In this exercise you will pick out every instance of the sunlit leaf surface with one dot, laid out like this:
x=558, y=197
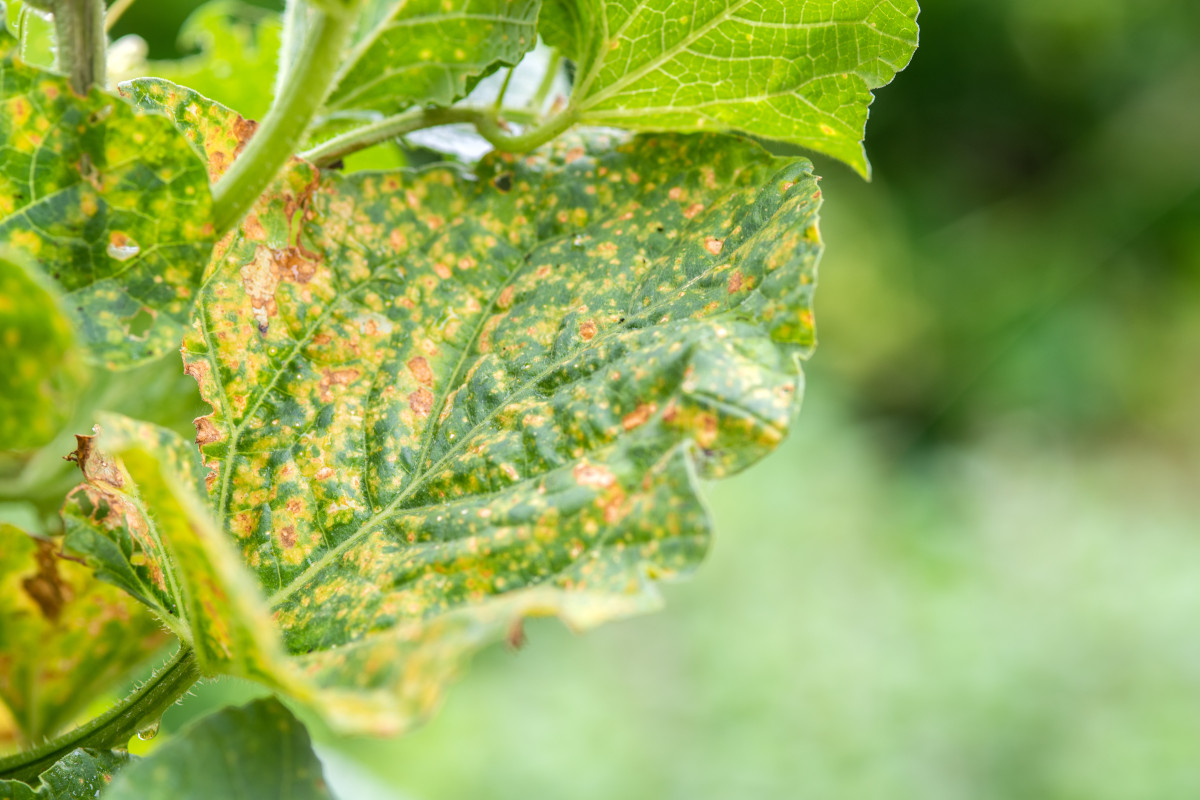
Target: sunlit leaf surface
x=798, y=72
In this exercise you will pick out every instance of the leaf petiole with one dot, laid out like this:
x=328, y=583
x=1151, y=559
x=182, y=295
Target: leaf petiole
x=486, y=121
x=115, y=727
x=304, y=89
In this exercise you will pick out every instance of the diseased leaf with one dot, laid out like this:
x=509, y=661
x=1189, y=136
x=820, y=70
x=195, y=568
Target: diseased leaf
x=65, y=637
x=109, y=202
x=799, y=72
x=255, y=751
x=41, y=368
x=428, y=51
x=79, y=775
x=443, y=402
x=238, y=47
x=139, y=520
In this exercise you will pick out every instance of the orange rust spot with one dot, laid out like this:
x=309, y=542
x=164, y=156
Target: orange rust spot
x=421, y=402
x=335, y=377
x=693, y=210
x=325, y=473
x=714, y=245
x=613, y=505
x=639, y=416
x=675, y=193
x=294, y=506
x=735, y=281
x=594, y=475
x=574, y=154
x=706, y=430
x=419, y=367
x=398, y=240
x=506, y=297
x=587, y=329
x=287, y=536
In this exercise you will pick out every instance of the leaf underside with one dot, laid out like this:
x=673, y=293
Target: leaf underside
x=798, y=72
x=427, y=51
x=108, y=202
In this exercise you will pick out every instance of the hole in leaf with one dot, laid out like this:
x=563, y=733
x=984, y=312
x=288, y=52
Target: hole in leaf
x=139, y=324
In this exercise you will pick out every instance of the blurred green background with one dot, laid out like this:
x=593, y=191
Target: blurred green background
x=974, y=569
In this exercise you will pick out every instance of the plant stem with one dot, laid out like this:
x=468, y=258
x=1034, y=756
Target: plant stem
x=539, y=98
x=496, y=106
x=81, y=43
x=115, y=727
x=486, y=121
x=304, y=90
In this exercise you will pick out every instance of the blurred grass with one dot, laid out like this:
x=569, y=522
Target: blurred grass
x=973, y=570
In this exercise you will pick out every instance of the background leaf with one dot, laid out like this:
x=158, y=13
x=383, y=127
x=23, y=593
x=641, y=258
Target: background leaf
x=258, y=750
x=42, y=369
x=109, y=202
x=795, y=72
x=65, y=637
x=80, y=775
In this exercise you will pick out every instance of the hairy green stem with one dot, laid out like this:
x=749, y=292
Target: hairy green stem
x=485, y=120
x=309, y=80
x=81, y=42
x=118, y=725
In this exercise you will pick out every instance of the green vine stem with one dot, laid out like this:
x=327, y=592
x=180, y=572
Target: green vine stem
x=307, y=83
x=114, y=728
x=81, y=42
x=486, y=121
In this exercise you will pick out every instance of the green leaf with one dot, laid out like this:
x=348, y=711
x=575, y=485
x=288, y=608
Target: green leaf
x=256, y=751
x=66, y=638
x=139, y=520
x=110, y=203
x=80, y=775
x=799, y=72
x=428, y=51
x=42, y=369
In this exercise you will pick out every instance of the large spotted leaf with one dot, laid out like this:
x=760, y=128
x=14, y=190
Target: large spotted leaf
x=445, y=401
x=428, y=51
x=65, y=637
x=799, y=72
x=109, y=202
